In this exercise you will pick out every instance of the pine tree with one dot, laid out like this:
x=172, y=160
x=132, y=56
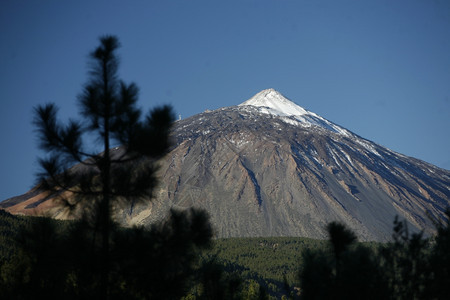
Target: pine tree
x=103, y=178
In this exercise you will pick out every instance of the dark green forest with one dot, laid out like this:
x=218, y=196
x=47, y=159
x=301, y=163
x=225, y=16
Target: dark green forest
x=168, y=261
x=268, y=263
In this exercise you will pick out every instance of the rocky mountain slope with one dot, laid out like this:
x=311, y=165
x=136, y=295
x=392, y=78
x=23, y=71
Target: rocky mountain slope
x=268, y=167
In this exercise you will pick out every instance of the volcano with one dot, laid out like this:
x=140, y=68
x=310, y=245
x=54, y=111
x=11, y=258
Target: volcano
x=269, y=167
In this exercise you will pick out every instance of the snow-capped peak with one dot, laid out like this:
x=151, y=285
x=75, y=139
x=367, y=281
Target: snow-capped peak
x=276, y=102
x=273, y=102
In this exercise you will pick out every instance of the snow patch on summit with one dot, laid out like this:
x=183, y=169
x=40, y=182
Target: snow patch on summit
x=276, y=102
x=273, y=102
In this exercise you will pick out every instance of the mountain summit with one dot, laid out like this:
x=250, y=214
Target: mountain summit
x=268, y=167
x=276, y=103
x=272, y=102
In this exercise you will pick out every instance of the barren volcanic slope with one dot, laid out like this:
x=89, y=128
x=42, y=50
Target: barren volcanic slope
x=268, y=167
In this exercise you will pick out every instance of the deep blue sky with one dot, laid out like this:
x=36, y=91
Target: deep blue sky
x=379, y=68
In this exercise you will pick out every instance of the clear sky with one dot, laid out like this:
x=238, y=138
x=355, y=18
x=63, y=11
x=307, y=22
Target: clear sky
x=379, y=68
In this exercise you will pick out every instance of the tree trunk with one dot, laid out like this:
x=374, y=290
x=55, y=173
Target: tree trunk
x=105, y=201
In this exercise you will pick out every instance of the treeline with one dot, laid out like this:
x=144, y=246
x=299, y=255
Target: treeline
x=174, y=259
x=170, y=260
x=57, y=260
x=265, y=264
x=409, y=267
x=177, y=259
